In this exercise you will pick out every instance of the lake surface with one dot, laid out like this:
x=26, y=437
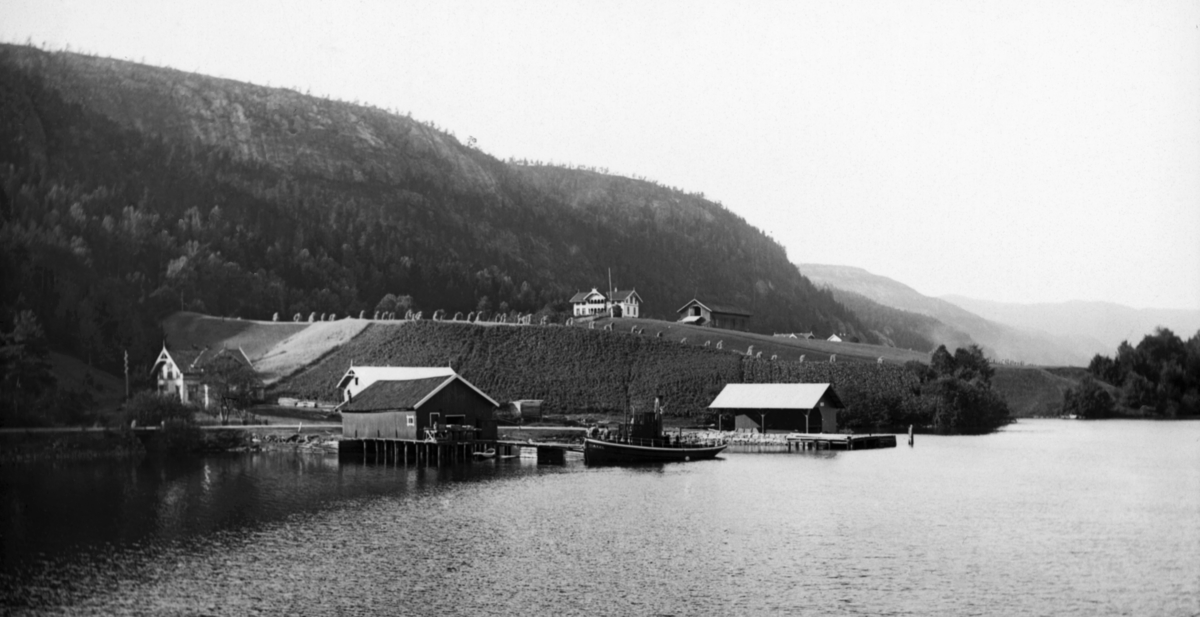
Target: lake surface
x=1048, y=517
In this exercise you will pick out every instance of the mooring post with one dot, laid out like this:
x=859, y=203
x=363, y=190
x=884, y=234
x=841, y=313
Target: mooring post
x=910, y=435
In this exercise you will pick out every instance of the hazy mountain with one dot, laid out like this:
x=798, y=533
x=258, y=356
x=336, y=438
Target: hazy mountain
x=128, y=192
x=954, y=325
x=1098, y=327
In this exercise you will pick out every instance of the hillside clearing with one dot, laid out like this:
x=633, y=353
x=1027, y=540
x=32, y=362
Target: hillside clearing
x=306, y=347
x=256, y=338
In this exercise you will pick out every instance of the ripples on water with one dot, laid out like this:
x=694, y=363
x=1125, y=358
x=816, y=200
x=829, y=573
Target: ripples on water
x=1047, y=517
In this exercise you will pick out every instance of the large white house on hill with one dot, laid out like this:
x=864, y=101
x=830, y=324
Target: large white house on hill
x=624, y=303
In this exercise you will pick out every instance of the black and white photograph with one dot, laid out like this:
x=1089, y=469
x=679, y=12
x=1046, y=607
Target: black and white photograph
x=621, y=307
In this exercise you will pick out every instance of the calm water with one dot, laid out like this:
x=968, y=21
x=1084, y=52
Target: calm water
x=1047, y=517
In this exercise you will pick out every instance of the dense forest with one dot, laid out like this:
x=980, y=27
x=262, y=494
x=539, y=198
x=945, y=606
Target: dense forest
x=1159, y=378
x=128, y=192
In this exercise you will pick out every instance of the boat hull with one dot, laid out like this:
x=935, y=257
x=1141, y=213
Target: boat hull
x=599, y=452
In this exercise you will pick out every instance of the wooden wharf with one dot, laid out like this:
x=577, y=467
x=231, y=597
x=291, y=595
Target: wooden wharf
x=837, y=441
x=437, y=453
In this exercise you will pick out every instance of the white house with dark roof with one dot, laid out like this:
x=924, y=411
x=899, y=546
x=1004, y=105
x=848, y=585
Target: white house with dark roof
x=588, y=303
x=624, y=303
x=179, y=372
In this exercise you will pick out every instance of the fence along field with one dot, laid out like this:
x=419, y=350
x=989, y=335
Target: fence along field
x=575, y=370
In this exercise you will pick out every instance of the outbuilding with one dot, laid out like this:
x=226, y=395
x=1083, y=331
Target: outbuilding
x=781, y=406
x=714, y=315
x=416, y=404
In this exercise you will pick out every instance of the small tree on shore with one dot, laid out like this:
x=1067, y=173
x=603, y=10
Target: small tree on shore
x=232, y=383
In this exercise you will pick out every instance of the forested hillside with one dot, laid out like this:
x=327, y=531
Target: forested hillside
x=128, y=192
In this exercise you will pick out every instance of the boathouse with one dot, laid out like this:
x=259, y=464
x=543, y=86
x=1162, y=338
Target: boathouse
x=803, y=407
x=417, y=404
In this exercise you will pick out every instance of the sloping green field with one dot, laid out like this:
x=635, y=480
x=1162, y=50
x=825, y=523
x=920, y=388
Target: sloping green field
x=784, y=348
x=575, y=369
x=256, y=338
x=580, y=367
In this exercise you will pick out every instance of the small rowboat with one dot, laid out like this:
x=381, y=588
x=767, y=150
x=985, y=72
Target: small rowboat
x=489, y=453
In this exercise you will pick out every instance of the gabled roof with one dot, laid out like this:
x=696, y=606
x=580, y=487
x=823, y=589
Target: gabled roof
x=393, y=373
x=584, y=295
x=775, y=396
x=394, y=394
x=724, y=309
x=192, y=361
x=623, y=296
x=408, y=392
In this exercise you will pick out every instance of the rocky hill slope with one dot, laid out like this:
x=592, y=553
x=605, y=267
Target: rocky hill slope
x=129, y=192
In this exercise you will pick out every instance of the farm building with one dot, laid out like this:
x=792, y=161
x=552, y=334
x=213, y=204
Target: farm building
x=180, y=372
x=528, y=409
x=623, y=303
x=724, y=316
x=833, y=338
x=781, y=406
x=414, y=403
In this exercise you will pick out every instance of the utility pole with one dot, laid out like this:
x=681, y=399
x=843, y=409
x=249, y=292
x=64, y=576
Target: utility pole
x=127, y=374
x=610, y=294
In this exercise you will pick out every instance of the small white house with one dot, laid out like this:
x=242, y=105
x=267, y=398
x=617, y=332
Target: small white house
x=625, y=303
x=833, y=338
x=179, y=372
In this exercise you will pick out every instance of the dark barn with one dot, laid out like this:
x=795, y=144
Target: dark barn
x=724, y=316
x=414, y=409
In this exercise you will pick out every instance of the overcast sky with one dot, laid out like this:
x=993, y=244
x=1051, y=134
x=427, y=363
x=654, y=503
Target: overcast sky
x=1013, y=151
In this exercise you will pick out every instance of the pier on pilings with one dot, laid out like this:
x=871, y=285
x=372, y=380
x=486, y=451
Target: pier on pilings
x=406, y=452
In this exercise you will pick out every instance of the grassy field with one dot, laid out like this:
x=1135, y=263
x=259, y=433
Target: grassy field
x=277, y=349
x=256, y=338
x=283, y=349
x=786, y=349
x=306, y=347
x=1031, y=391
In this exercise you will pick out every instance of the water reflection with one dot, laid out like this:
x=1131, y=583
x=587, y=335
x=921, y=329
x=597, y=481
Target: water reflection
x=1045, y=518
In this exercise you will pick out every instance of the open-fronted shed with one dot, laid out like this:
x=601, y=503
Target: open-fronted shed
x=781, y=406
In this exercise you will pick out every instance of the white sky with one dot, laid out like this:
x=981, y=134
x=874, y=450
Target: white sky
x=1014, y=151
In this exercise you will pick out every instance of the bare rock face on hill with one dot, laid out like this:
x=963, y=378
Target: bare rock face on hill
x=281, y=128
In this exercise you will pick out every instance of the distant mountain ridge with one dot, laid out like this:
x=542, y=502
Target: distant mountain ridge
x=958, y=325
x=1098, y=326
